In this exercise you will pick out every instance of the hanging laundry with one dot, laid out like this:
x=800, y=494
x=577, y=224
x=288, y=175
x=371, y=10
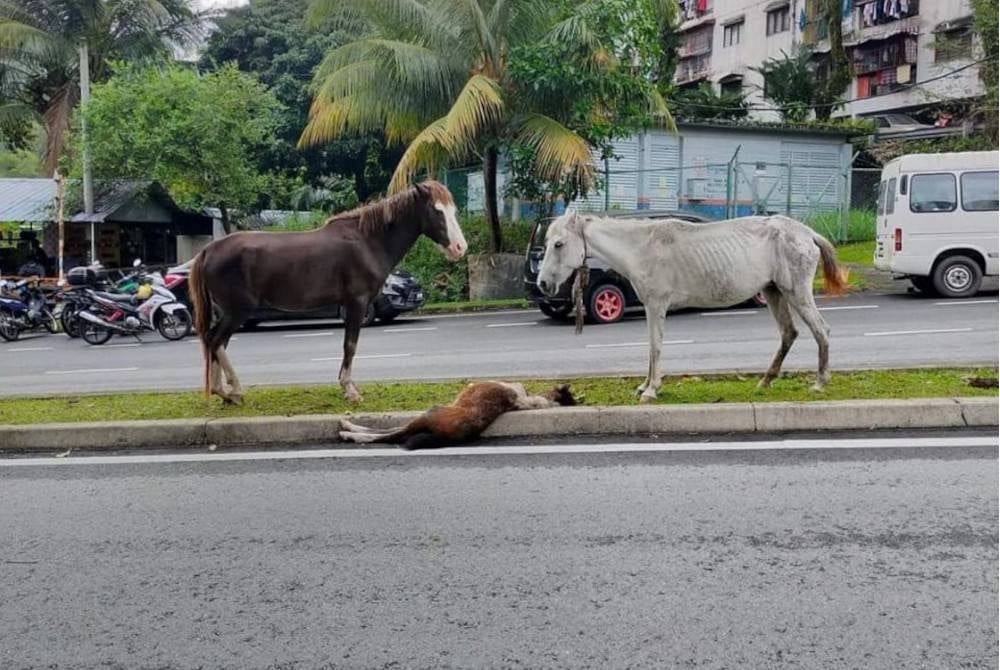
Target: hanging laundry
x=903, y=73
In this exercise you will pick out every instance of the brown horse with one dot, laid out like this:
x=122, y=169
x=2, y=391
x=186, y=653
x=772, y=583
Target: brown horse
x=344, y=262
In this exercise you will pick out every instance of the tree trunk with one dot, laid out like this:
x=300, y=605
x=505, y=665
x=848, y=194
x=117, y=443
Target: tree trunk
x=490, y=187
x=839, y=76
x=226, y=224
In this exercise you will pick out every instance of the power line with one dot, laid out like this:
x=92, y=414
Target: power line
x=903, y=87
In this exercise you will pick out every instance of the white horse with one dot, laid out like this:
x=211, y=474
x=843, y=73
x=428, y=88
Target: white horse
x=674, y=264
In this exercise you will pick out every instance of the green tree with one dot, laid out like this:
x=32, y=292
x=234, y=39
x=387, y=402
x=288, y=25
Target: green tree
x=790, y=83
x=702, y=103
x=195, y=134
x=830, y=90
x=39, y=57
x=985, y=15
x=437, y=77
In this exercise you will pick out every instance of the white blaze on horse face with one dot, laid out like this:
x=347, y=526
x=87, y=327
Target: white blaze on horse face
x=457, y=245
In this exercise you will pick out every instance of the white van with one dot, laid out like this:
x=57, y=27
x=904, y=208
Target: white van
x=937, y=221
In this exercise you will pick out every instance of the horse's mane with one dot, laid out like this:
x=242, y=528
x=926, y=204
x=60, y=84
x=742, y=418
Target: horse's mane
x=375, y=216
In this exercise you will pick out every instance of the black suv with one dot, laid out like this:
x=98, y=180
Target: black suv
x=609, y=294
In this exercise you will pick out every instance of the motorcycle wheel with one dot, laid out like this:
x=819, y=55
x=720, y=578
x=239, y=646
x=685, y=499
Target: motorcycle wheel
x=9, y=330
x=93, y=333
x=70, y=323
x=52, y=324
x=174, y=326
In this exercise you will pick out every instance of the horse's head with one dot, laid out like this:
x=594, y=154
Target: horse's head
x=438, y=219
x=564, y=252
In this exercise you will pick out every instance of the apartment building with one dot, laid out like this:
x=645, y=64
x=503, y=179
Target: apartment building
x=891, y=44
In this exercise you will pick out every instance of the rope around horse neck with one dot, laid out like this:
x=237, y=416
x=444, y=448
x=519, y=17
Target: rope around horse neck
x=580, y=285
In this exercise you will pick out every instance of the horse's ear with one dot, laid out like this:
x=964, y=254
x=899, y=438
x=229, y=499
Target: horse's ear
x=421, y=188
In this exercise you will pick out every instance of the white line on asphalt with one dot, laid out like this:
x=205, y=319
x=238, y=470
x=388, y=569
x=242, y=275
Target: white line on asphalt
x=732, y=312
x=949, y=303
x=325, y=333
x=512, y=325
x=121, y=346
x=88, y=371
x=409, y=330
x=765, y=445
x=30, y=349
x=831, y=309
x=884, y=333
x=340, y=358
x=194, y=339
x=635, y=344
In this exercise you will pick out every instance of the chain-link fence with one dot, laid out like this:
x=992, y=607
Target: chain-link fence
x=834, y=199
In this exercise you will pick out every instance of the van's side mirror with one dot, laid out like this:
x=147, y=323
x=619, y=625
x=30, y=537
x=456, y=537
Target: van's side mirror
x=902, y=184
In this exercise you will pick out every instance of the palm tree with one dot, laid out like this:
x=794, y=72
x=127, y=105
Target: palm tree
x=39, y=51
x=434, y=75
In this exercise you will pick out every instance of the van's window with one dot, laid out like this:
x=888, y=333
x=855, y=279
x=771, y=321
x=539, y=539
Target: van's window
x=933, y=193
x=890, y=197
x=980, y=192
x=902, y=184
x=881, y=198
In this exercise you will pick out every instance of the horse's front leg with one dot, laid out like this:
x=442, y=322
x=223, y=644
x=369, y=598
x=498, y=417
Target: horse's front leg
x=655, y=318
x=354, y=313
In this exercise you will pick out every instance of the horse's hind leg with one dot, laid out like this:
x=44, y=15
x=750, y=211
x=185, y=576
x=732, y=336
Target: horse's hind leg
x=656, y=323
x=782, y=313
x=222, y=332
x=805, y=306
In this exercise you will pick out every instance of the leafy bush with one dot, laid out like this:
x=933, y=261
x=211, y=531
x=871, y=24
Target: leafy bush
x=444, y=281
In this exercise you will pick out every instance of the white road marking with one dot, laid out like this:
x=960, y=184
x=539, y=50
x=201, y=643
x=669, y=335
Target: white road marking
x=764, y=445
x=839, y=307
x=514, y=324
x=88, y=371
x=484, y=314
x=635, y=344
x=369, y=356
x=121, y=346
x=732, y=312
x=949, y=303
x=325, y=333
x=194, y=339
x=409, y=330
x=30, y=349
x=918, y=332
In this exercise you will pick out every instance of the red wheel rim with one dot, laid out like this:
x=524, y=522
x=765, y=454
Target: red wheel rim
x=608, y=305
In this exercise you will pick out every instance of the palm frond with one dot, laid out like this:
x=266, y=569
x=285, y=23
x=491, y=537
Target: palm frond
x=428, y=150
x=658, y=109
x=558, y=150
x=478, y=107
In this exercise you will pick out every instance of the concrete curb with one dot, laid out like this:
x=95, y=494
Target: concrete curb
x=632, y=420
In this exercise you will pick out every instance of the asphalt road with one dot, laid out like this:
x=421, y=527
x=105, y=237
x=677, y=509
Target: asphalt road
x=867, y=331
x=777, y=558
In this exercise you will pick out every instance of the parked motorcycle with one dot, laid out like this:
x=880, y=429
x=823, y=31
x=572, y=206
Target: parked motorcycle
x=152, y=307
x=24, y=307
x=76, y=297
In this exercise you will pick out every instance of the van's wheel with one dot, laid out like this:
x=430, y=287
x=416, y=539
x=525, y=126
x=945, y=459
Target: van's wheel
x=606, y=304
x=957, y=277
x=923, y=284
x=559, y=312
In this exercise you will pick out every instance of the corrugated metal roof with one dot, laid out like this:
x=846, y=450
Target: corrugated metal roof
x=109, y=197
x=27, y=199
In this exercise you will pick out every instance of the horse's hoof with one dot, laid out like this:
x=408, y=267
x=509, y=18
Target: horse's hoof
x=816, y=388
x=639, y=390
x=647, y=399
x=765, y=383
x=233, y=399
x=353, y=397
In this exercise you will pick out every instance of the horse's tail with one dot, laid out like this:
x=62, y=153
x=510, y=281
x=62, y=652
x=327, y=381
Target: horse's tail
x=834, y=276
x=201, y=301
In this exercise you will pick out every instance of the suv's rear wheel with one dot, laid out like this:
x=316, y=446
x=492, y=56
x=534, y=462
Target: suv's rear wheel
x=957, y=277
x=606, y=304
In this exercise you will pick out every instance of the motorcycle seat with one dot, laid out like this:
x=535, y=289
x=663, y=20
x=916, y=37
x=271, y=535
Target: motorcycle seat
x=117, y=297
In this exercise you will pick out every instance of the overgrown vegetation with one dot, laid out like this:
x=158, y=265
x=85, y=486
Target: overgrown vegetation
x=299, y=400
x=860, y=225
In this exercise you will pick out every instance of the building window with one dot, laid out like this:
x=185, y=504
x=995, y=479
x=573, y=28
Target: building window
x=731, y=34
x=953, y=45
x=778, y=20
x=696, y=42
x=933, y=193
x=980, y=192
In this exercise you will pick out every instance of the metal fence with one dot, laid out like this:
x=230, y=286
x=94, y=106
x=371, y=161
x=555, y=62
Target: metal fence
x=819, y=193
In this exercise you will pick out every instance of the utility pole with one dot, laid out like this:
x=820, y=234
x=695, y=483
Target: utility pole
x=88, y=185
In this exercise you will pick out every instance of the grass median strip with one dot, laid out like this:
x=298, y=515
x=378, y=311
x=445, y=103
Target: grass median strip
x=296, y=400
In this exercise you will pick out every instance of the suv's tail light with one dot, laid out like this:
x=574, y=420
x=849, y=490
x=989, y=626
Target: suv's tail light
x=171, y=281
x=897, y=237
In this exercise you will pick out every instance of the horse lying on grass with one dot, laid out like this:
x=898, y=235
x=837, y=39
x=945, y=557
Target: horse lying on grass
x=465, y=419
x=674, y=264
